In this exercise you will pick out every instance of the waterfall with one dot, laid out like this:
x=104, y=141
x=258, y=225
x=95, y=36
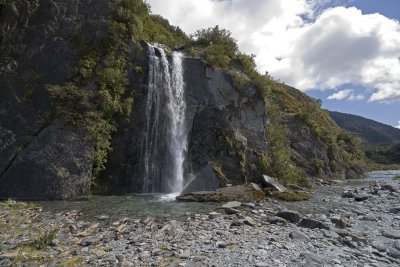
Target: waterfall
x=165, y=138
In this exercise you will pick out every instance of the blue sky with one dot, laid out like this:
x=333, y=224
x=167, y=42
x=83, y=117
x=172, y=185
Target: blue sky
x=344, y=52
x=388, y=113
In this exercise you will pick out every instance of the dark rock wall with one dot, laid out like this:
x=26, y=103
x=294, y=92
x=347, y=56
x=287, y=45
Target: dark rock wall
x=36, y=50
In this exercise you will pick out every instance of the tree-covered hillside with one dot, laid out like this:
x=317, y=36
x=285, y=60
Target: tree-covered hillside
x=372, y=132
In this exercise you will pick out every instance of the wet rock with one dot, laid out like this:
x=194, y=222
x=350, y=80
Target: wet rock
x=232, y=204
x=272, y=183
x=203, y=196
x=394, y=234
x=361, y=197
x=243, y=193
x=312, y=224
x=291, y=216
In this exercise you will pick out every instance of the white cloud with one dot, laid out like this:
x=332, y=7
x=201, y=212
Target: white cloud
x=302, y=42
x=340, y=95
x=398, y=125
x=346, y=94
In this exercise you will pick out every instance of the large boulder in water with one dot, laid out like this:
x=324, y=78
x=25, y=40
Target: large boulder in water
x=242, y=193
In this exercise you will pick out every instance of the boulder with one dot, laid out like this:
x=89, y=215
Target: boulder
x=204, y=196
x=272, y=183
x=242, y=193
x=291, y=216
x=361, y=197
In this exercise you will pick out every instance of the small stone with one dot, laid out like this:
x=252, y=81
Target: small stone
x=395, y=210
x=214, y=215
x=249, y=221
x=394, y=234
x=370, y=217
x=291, y=216
x=236, y=223
x=250, y=204
x=299, y=235
x=394, y=253
x=340, y=222
x=388, y=187
x=231, y=211
x=221, y=244
x=378, y=245
x=232, y=204
x=361, y=197
x=85, y=242
x=396, y=244
x=312, y=224
x=277, y=220
x=348, y=194
x=102, y=217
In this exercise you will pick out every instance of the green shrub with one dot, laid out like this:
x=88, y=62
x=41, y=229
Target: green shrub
x=43, y=239
x=291, y=196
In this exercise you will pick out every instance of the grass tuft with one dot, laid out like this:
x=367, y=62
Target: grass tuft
x=292, y=196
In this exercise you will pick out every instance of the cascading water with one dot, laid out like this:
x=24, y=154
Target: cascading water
x=165, y=137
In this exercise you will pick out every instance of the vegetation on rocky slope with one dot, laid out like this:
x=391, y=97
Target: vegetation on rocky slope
x=381, y=142
x=98, y=95
x=220, y=50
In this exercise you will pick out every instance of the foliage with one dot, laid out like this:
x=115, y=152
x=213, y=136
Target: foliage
x=223, y=180
x=371, y=132
x=221, y=48
x=384, y=155
x=135, y=17
x=291, y=196
x=98, y=96
x=43, y=239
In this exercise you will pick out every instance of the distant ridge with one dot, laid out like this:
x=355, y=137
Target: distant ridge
x=370, y=131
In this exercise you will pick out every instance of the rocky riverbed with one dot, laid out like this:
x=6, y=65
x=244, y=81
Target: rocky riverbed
x=356, y=223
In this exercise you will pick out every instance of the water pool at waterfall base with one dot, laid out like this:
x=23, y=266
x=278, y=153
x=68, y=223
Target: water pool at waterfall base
x=162, y=206
x=165, y=206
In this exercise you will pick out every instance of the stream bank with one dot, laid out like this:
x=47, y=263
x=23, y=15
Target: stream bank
x=353, y=223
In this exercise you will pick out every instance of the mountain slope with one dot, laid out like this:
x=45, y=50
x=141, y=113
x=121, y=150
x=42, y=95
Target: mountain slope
x=372, y=132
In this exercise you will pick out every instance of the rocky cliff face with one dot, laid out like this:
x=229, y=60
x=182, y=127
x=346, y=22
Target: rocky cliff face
x=41, y=157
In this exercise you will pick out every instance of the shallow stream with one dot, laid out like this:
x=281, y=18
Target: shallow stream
x=166, y=207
